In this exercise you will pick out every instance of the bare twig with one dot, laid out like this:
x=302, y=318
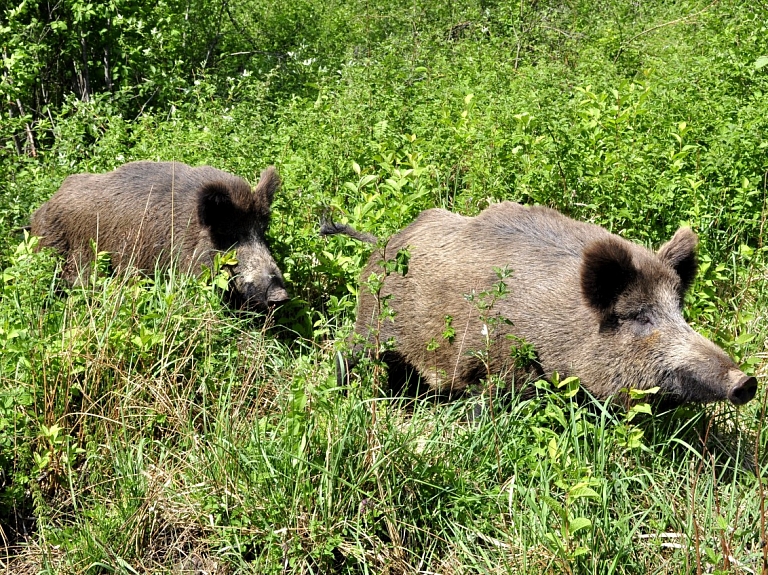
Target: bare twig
x=457, y=30
x=6, y=77
x=85, y=77
x=683, y=536
x=14, y=137
x=563, y=32
x=279, y=55
x=758, y=470
x=28, y=131
x=654, y=28
x=696, y=533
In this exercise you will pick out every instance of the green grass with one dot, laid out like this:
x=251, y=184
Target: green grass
x=144, y=427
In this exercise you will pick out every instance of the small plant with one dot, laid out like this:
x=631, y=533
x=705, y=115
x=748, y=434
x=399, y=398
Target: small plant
x=218, y=275
x=372, y=348
x=215, y=443
x=629, y=435
x=520, y=351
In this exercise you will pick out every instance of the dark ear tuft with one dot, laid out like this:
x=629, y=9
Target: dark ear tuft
x=268, y=184
x=606, y=271
x=215, y=208
x=680, y=254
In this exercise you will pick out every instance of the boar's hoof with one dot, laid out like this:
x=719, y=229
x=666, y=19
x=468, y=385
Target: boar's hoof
x=743, y=391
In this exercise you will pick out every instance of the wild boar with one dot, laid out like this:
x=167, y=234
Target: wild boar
x=158, y=213
x=592, y=305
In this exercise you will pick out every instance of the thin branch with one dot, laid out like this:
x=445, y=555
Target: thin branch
x=563, y=32
x=28, y=130
x=279, y=55
x=654, y=28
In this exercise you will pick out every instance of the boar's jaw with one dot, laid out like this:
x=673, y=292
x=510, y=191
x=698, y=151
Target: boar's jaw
x=259, y=284
x=710, y=375
x=277, y=294
x=261, y=295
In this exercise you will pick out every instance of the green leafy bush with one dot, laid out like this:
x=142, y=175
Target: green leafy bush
x=145, y=427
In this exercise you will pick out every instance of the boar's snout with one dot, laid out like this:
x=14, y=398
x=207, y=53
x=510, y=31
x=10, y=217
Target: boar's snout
x=262, y=292
x=743, y=390
x=277, y=294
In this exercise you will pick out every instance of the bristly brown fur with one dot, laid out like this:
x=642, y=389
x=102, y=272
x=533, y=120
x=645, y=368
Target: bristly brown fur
x=590, y=303
x=162, y=213
x=329, y=228
x=680, y=254
x=606, y=271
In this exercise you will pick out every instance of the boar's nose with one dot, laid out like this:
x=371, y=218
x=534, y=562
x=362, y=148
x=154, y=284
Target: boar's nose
x=743, y=391
x=276, y=293
x=265, y=292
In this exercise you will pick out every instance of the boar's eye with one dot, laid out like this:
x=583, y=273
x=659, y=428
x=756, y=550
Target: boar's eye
x=642, y=317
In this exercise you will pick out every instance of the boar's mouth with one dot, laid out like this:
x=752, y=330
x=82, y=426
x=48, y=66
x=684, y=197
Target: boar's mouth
x=682, y=387
x=276, y=295
x=257, y=298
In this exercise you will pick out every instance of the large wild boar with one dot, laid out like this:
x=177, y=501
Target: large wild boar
x=158, y=213
x=592, y=305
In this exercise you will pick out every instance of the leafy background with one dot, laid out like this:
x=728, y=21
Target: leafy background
x=145, y=428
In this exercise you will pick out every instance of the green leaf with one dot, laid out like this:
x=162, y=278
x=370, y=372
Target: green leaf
x=556, y=507
x=744, y=338
x=554, y=412
x=639, y=408
x=746, y=251
x=582, y=490
x=365, y=180
x=567, y=381
x=552, y=449
x=221, y=281
x=578, y=523
x=761, y=62
x=571, y=385
x=641, y=393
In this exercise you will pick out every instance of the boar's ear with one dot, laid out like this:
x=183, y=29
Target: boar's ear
x=680, y=254
x=606, y=271
x=215, y=206
x=266, y=188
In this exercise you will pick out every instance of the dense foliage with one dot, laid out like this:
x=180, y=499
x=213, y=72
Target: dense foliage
x=146, y=427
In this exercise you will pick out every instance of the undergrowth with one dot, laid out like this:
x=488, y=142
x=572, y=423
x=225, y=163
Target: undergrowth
x=146, y=427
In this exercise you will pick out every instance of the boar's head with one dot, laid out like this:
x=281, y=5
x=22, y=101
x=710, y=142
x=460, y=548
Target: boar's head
x=638, y=302
x=235, y=217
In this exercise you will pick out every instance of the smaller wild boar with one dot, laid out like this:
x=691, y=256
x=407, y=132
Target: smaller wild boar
x=158, y=213
x=592, y=305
